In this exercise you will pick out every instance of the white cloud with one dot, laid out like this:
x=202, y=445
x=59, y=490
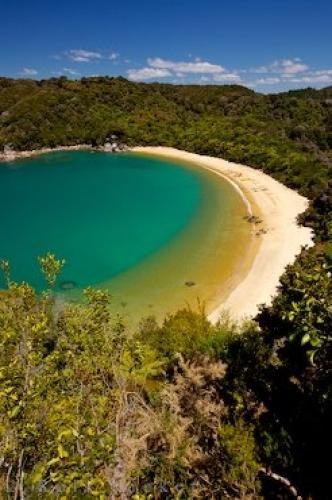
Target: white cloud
x=323, y=72
x=147, y=73
x=161, y=68
x=29, y=72
x=196, y=66
x=80, y=55
x=113, y=56
x=283, y=66
x=259, y=69
x=313, y=78
x=204, y=79
x=295, y=75
x=292, y=67
x=71, y=71
x=286, y=72
x=281, y=73
x=226, y=77
x=269, y=80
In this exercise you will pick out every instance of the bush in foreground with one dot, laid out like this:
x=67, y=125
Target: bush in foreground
x=181, y=410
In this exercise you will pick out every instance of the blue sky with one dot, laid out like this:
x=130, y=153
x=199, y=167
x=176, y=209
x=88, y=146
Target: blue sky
x=268, y=45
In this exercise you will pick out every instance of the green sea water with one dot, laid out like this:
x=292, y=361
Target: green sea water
x=140, y=226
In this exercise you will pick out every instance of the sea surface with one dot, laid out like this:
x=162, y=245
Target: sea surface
x=158, y=234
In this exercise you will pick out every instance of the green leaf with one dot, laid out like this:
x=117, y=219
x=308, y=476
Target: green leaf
x=53, y=461
x=305, y=339
x=37, y=474
x=14, y=412
x=62, y=452
x=311, y=355
x=64, y=433
x=315, y=342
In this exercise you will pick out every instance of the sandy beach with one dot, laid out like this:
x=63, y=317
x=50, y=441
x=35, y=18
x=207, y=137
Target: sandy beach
x=280, y=237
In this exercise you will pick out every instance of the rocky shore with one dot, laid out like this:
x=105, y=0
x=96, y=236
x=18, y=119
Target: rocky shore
x=9, y=154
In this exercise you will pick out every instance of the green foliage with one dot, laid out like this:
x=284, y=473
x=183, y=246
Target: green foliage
x=50, y=267
x=185, y=409
x=239, y=449
x=54, y=401
x=288, y=135
x=295, y=381
x=302, y=311
x=87, y=410
x=319, y=215
x=5, y=268
x=184, y=333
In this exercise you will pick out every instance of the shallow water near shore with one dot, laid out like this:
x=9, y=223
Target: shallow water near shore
x=157, y=233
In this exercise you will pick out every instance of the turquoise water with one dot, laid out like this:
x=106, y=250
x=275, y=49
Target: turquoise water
x=141, y=226
x=103, y=213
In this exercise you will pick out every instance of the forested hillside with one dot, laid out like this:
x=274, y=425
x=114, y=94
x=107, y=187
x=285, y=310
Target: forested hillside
x=287, y=134
x=183, y=409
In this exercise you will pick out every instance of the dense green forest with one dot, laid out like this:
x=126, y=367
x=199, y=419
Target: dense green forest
x=289, y=135
x=182, y=409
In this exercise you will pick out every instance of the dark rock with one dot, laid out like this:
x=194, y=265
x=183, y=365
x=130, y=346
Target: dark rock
x=67, y=285
x=190, y=283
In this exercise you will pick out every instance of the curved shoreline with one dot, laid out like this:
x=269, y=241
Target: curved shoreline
x=281, y=238
x=277, y=206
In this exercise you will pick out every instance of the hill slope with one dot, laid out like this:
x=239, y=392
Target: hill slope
x=289, y=135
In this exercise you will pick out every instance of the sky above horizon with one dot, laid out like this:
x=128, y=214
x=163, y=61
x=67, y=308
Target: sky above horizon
x=269, y=46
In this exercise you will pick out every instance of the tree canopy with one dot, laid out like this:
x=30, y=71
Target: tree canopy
x=289, y=135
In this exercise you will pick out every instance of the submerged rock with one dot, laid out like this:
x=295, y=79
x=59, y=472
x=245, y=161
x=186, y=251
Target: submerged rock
x=190, y=283
x=67, y=285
